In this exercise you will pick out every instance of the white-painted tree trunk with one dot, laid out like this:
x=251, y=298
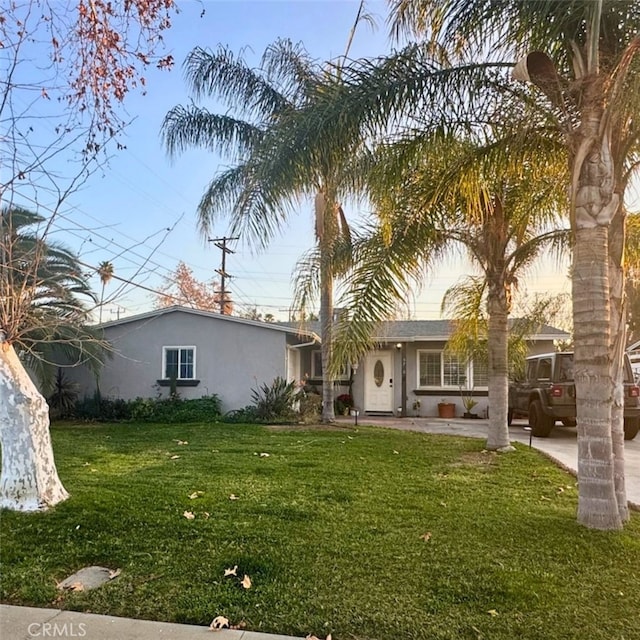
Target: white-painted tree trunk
x=29, y=479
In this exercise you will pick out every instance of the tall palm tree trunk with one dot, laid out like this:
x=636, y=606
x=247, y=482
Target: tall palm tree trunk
x=497, y=346
x=326, y=209
x=326, y=335
x=29, y=480
x=595, y=204
x=104, y=284
x=618, y=342
x=597, y=504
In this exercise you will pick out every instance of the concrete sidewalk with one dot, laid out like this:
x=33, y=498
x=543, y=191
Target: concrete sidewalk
x=561, y=445
x=26, y=623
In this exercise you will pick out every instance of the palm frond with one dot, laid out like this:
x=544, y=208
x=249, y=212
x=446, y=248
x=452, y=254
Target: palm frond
x=227, y=76
x=193, y=126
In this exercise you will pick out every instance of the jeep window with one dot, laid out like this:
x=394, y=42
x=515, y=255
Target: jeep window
x=564, y=363
x=531, y=369
x=544, y=369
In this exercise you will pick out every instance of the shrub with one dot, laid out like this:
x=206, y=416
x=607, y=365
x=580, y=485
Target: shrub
x=102, y=409
x=274, y=402
x=310, y=407
x=239, y=416
x=343, y=404
x=63, y=398
x=204, y=409
x=170, y=410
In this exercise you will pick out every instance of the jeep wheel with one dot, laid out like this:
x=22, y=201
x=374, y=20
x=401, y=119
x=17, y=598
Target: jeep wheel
x=540, y=423
x=631, y=428
x=509, y=416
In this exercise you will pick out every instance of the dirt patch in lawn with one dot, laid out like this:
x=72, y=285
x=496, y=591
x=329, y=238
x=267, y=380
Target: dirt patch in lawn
x=476, y=459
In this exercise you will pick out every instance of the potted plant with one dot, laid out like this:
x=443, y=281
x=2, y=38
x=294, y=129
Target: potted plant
x=446, y=409
x=416, y=407
x=469, y=403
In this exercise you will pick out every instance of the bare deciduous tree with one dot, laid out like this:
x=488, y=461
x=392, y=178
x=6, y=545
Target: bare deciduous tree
x=68, y=68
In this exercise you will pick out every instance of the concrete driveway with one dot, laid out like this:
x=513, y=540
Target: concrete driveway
x=561, y=446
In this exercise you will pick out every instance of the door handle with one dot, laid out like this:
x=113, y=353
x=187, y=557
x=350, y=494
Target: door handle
x=391, y=382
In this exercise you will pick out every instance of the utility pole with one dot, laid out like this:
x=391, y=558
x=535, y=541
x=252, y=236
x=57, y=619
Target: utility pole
x=221, y=243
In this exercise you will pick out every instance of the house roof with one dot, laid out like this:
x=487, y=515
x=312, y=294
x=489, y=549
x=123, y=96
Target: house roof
x=305, y=333
x=428, y=330
x=394, y=331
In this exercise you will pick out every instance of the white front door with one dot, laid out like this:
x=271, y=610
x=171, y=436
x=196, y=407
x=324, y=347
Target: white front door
x=378, y=382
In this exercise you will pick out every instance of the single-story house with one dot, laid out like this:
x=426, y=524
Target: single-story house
x=408, y=374
x=205, y=352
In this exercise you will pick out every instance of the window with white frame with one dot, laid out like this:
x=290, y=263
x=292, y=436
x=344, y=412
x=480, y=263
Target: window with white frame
x=480, y=374
x=441, y=370
x=179, y=363
x=316, y=367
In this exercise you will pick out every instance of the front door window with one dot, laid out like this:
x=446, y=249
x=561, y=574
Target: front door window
x=378, y=373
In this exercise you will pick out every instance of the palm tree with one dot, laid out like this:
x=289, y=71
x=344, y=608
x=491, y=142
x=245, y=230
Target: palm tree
x=434, y=195
x=583, y=57
x=42, y=289
x=269, y=177
x=593, y=99
x=105, y=272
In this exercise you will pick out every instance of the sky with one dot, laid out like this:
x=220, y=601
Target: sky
x=138, y=210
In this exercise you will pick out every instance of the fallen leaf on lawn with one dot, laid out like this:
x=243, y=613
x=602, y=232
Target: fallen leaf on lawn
x=443, y=504
x=206, y=515
x=86, y=464
x=246, y=582
x=493, y=613
x=265, y=455
x=174, y=457
x=426, y=536
x=545, y=498
x=189, y=515
x=114, y=574
x=181, y=441
x=350, y=437
x=396, y=452
x=241, y=625
x=233, y=497
x=219, y=622
x=196, y=494
x=560, y=489
x=231, y=572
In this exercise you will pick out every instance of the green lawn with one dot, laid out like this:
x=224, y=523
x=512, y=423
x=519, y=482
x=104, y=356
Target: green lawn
x=330, y=528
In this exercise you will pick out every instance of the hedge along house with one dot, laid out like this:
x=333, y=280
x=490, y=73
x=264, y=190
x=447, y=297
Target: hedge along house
x=206, y=353
x=410, y=372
